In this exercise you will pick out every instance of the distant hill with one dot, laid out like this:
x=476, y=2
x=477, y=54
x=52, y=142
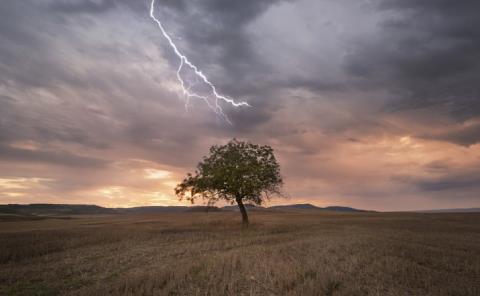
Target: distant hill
x=296, y=207
x=465, y=210
x=153, y=209
x=343, y=209
x=54, y=209
x=203, y=209
x=312, y=207
x=249, y=207
x=67, y=209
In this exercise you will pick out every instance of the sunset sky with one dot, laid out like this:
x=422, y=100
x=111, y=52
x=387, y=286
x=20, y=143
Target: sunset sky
x=373, y=104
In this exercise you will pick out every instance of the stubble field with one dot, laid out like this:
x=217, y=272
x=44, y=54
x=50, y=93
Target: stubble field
x=281, y=253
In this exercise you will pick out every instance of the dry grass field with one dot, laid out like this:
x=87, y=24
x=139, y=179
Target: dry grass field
x=291, y=253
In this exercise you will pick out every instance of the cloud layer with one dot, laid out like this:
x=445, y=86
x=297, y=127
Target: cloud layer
x=373, y=103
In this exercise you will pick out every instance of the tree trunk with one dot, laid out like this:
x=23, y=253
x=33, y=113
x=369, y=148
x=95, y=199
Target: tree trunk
x=243, y=211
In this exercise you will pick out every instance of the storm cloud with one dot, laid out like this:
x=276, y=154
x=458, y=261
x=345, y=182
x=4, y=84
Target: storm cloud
x=361, y=100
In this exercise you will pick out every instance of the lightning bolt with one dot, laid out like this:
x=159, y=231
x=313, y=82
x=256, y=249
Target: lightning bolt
x=212, y=93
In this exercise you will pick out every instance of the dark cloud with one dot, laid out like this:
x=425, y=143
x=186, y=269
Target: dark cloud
x=426, y=54
x=213, y=34
x=465, y=135
x=446, y=179
x=50, y=157
x=84, y=6
x=17, y=64
x=20, y=122
x=441, y=165
x=454, y=182
x=333, y=85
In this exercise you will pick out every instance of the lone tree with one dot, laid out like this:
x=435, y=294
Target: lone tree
x=236, y=172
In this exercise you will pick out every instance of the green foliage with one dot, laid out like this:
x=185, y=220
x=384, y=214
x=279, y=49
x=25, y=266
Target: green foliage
x=238, y=170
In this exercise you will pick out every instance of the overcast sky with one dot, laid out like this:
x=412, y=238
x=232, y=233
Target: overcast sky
x=367, y=103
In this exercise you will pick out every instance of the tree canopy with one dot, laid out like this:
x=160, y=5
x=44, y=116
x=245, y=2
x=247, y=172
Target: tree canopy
x=235, y=172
